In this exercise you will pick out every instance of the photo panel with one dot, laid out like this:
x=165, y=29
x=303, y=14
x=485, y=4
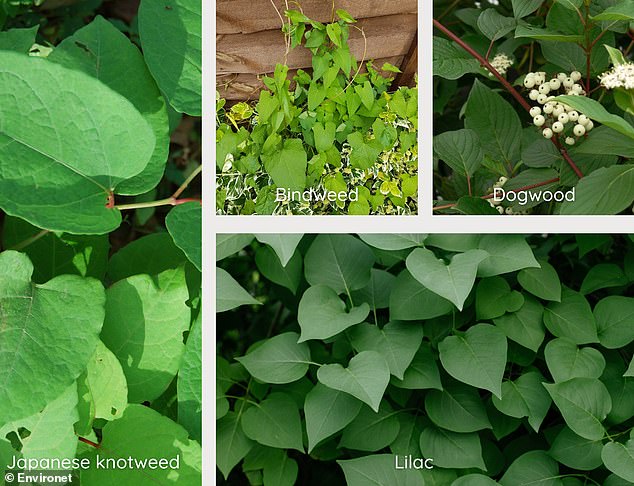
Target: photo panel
x=404, y=359
x=532, y=108
x=316, y=108
x=100, y=242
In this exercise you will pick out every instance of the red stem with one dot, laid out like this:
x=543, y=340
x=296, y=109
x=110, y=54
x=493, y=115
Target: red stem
x=89, y=442
x=519, y=189
x=509, y=87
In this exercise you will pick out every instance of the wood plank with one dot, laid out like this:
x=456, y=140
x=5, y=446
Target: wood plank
x=409, y=67
x=247, y=87
x=259, y=52
x=248, y=16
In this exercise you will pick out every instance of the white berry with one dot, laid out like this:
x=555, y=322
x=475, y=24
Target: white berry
x=502, y=180
x=579, y=130
x=558, y=127
x=509, y=210
x=547, y=133
x=561, y=77
x=500, y=209
x=554, y=84
x=542, y=98
x=573, y=115
x=529, y=82
x=563, y=118
x=533, y=94
x=583, y=119
x=548, y=108
x=558, y=111
x=535, y=110
x=568, y=83
x=539, y=120
x=575, y=75
x=589, y=126
x=570, y=141
x=544, y=88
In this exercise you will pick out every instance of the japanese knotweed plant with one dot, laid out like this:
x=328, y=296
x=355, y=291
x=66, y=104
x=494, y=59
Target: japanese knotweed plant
x=526, y=104
x=100, y=332
x=332, y=129
x=504, y=359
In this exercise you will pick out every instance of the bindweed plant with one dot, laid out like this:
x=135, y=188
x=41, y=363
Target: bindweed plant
x=533, y=107
x=332, y=131
x=498, y=359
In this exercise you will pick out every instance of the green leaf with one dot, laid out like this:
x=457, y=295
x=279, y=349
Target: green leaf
x=379, y=470
x=334, y=33
x=279, y=359
x=322, y=314
x=460, y=150
x=525, y=326
x=608, y=190
x=371, y=431
x=477, y=357
x=453, y=281
x=324, y=135
x=533, y=467
x=283, y=245
x=269, y=264
x=623, y=10
x=229, y=293
x=62, y=319
x=143, y=433
x=613, y=315
x=410, y=300
x=345, y=16
x=494, y=25
x=274, y=422
x=111, y=143
x=458, y=408
x=474, y=480
x=51, y=431
x=576, y=452
x=595, y=110
x=397, y=342
x=287, y=167
x=227, y=245
x=327, y=411
x=565, y=360
x=231, y=443
x=107, y=384
x=394, y=241
x=422, y=372
x=281, y=472
x=184, y=223
x=522, y=8
x=190, y=387
x=571, y=318
x=58, y=254
x=542, y=282
x=619, y=458
x=19, y=40
x=102, y=51
x=495, y=121
x=531, y=32
x=175, y=27
x=494, y=298
x=377, y=293
x=507, y=253
x=584, y=404
x=363, y=155
x=451, y=449
x=365, y=378
x=602, y=276
x=150, y=254
x=145, y=320
x=450, y=61
x=341, y=262
x=525, y=397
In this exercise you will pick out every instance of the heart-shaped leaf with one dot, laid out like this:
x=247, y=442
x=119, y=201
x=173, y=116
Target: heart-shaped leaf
x=565, y=360
x=274, y=422
x=365, y=378
x=322, y=314
x=453, y=281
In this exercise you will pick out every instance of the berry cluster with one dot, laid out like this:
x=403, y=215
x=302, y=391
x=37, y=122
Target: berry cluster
x=552, y=117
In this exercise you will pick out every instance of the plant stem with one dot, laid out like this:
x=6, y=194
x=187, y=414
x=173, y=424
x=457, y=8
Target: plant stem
x=23, y=244
x=508, y=86
x=170, y=201
x=490, y=196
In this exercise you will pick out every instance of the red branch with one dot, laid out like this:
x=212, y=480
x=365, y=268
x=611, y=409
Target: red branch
x=89, y=442
x=508, y=86
x=519, y=189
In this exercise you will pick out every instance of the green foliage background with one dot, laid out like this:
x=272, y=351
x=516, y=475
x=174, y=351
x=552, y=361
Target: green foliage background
x=495, y=134
x=505, y=358
x=100, y=215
